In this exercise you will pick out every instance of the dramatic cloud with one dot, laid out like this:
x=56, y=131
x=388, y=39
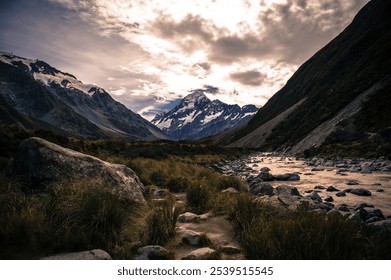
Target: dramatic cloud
x=148, y=54
x=250, y=78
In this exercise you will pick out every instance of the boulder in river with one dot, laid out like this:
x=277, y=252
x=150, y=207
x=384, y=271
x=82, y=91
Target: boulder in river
x=287, y=177
x=361, y=192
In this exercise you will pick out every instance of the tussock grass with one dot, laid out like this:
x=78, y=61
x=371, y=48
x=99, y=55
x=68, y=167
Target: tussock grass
x=268, y=232
x=76, y=216
x=160, y=221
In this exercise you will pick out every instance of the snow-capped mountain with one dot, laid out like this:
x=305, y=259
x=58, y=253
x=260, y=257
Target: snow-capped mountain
x=196, y=116
x=45, y=95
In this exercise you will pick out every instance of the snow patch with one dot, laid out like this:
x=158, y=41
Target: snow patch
x=212, y=117
x=164, y=124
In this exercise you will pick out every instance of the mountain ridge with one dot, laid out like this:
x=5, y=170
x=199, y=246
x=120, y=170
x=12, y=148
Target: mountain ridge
x=196, y=116
x=41, y=92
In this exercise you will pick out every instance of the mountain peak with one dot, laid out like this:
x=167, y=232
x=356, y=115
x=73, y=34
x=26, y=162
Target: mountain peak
x=196, y=95
x=197, y=116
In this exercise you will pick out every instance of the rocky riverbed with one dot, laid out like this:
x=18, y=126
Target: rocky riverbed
x=357, y=188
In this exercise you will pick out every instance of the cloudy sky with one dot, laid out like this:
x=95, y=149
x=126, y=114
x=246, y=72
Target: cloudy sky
x=150, y=53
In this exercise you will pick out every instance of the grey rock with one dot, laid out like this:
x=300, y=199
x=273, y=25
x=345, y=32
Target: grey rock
x=286, y=190
x=363, y=205
x=152, y=252
x=191, y=237
x=202, y=254
x=287, y=177
x=361, y=192
x=351, y=183
x=263, y=189
x=315, y=196
x=266, y=176
x=265, y=169
x=366, y=213
x=41, y=163
x=380, y=190
x=96, y=254
x=340, y=194
x=187, y=217
x=343, y=208
x=230, y=250
x=329, y=199
x=161, y=193
x=332, y=189
x=320, y=187
x=324, y=206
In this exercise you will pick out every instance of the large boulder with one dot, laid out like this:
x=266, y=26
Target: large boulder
x=96, y=254
x=42, y=163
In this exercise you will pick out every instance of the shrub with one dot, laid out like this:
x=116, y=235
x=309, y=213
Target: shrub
x=198, y=198
x=88, y=214
x=268, y=232
x=160, y=222
x=226, y=182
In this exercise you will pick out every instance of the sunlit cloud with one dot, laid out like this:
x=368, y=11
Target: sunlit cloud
x=148, y=54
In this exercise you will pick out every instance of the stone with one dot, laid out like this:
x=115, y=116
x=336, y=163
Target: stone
x=380, y=190
x=204, y=217
x=372, y=212
x=152, y=252
x=315, y=196
x=265, y=176
x=361, y=192
x=319, y=187
x=187, y=217
x=160, y=193
x=325, y=207
x=366, y=213
x=263, y=188
x=96, y=254
x=329, y=199
x=230, y=190
x=230, y=250
x=340, y=194
x=287, y=195
x=351, y=183
x=317, y=169
x=363, y=205
x=287, y=190
x=42, y=163
x=332, y=189
x=204, y=253
x=344, y=208
x=265, y=169
x=287, y=177
x=191, y=237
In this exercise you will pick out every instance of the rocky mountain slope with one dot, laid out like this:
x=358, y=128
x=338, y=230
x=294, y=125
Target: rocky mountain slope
x=197, y=116
x=338, y=98
x=34, y=94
